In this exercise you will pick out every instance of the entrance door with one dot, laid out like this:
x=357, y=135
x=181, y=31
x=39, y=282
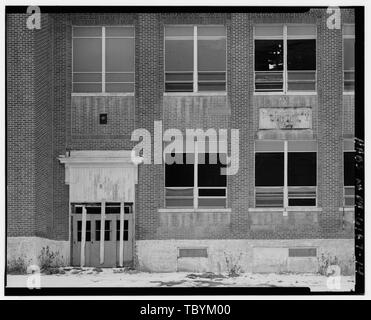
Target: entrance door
x=111, y=234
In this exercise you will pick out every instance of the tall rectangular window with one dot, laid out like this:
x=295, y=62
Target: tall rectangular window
x=285, y=173
x=103, y=59
x=348, y=57
x=195, y=183
x=349, y=173
x=285, y=58
x=195, y=58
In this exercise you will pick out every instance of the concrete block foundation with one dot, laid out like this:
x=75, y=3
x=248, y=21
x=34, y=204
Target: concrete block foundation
x=29, y=249
x=259, y=256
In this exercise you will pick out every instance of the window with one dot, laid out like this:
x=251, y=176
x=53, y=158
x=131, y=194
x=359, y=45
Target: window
x=195, y=185
x=349, y=173
x=285, y=173
x=126, y=230
x=285, y=58
x=96, y=208
x=103, y=59
x=195, y=58
x=348, y=57
x=87, y=231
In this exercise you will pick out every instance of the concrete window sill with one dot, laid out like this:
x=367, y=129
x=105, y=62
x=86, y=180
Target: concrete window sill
x=190, y=210
x=197, y=94
x=347, y=209
x=307, y=209
x=103, y=94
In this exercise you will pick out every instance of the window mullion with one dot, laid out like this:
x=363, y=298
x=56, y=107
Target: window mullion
x=285, y=175
x=195, y=75
x=285, y=76
x=103, y=59
x=195, y=178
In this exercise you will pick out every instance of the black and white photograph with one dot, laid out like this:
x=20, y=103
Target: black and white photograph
x=184, y=150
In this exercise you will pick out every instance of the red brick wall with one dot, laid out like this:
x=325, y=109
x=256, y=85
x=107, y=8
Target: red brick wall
x=21, y=197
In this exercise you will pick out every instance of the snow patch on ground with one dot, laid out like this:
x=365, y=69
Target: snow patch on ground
x=90, y=277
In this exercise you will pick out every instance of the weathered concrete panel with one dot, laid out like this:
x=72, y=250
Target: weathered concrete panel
x=29, y=249
x=249, y=255
x=94, y=184
x=285, y=118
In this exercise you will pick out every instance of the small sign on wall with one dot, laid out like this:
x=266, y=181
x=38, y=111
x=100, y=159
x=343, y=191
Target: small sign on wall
x=285, y=118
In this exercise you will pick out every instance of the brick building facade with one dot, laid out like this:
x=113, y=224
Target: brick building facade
x=68, y=144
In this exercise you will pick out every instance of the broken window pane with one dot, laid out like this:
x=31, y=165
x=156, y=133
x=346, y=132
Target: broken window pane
x=349, y=168
x=302, y=169
x=209, y=174
x=179, y=175
x=268, y=55
x=301, y=54
x=269, y=169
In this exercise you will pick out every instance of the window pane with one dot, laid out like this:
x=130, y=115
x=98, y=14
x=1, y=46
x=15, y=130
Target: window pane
x=268, y=55
x=269, y=169
x=179, y=175
x=87, y=87
x=97, y=230
x=301, y=54
x=179, y=55
x=87, y=31
x=269, y=31
x=119, y=32
x=119, y=87
x=211, y=31
x=87, y=77
x=87, y=231
x=301, y=30
x=211, y=86
x=179, y=31
x=119, y=77
x=113, y=207
x=212, y=203
x=209, y=174
x=211, y=55
x=349, y=168
x=119, y=55
x=348, y=54
x=179, y=203
x=302, y=169
x=348, y=30
x=302, y=202
x=211, y=192
x=179, y=87
x=87, y=55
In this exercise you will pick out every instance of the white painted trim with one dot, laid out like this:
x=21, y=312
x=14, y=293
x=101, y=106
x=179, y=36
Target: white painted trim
x=121, y=243
x=285, y=176
x=195, y=58
x=83, y=240
x=102, y=228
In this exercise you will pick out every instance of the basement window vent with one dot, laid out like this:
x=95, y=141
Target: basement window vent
x=192, y=253
x=302, y=252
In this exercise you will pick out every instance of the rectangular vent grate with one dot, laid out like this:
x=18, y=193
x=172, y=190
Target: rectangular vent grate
x=193, y=253
x=302, y=252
